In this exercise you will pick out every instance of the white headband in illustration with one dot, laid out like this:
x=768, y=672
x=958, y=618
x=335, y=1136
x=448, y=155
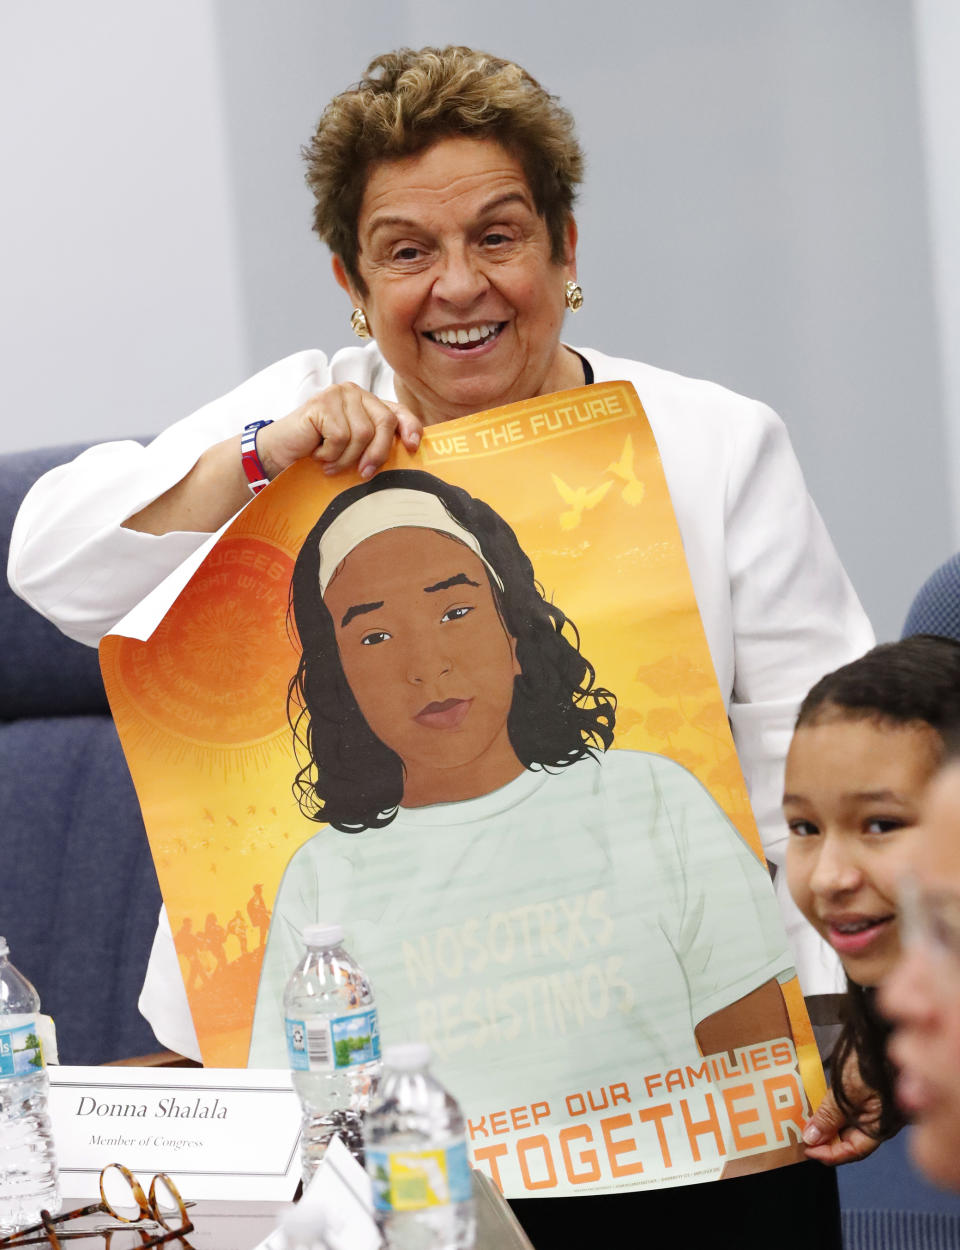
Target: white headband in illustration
x=395, y=508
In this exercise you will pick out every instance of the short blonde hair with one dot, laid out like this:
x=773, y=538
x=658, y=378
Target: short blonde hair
x=406, y=101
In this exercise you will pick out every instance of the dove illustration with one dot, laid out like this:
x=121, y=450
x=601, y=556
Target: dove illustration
x=580, y=500
x=634, y=490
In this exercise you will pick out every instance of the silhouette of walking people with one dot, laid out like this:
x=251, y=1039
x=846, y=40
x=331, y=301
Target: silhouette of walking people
x=189, y=944
x=213, y=939
x=237, y=927
x=258, y=913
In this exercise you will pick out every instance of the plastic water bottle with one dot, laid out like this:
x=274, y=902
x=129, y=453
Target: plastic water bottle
x=333, y=1042
x=28, y=1165
x=416, y=1157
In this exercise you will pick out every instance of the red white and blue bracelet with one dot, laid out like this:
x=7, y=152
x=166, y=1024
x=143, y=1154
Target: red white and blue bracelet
x=250, y=457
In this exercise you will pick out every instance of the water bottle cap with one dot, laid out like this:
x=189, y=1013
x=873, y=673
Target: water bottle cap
x=407, y=1056
x=322, y=934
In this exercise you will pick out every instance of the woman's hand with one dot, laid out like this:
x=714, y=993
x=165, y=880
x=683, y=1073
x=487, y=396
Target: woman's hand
x=342, y=426
x=831, y=1138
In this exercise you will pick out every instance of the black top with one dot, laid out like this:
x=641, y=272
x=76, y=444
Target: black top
x=587, y=370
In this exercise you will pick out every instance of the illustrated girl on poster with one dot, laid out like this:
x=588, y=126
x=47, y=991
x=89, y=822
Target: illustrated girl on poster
x=547, y=912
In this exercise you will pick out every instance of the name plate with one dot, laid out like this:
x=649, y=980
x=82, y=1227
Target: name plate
x=219, y=1132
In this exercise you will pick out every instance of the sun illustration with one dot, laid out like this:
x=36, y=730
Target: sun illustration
x=215, y=670
x=218, y=634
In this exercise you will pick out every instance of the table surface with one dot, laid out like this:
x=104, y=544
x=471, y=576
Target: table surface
x=222, y=1225
x=231, y=1225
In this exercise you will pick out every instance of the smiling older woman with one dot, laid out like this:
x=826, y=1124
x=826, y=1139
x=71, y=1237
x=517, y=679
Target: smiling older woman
x=444, y=186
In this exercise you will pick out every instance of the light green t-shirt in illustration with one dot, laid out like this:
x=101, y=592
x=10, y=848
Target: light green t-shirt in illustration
x=559, y=935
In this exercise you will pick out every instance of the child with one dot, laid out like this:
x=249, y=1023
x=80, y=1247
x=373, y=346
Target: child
x=869, y=738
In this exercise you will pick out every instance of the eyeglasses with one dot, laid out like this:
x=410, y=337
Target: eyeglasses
x=135, y=1214
x=931, y=918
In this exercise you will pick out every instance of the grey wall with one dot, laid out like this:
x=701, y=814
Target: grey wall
x=119, y=302
x=757, y=210
x=937, y=24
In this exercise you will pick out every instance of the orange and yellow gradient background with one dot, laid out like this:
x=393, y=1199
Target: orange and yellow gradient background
x=201, y=706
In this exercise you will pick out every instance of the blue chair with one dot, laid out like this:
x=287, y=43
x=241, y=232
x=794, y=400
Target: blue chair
x=936, y=608
x=78, y=891
x=886, y=1204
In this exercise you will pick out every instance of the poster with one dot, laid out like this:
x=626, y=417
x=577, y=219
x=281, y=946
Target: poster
x=501, y=760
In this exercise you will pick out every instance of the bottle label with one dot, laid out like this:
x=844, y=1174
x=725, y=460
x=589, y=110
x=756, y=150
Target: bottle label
x=335, y=1043
x=410, y=1180
x=21, y=1053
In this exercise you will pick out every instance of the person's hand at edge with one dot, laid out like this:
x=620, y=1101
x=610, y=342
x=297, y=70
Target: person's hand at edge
x=830, y=1137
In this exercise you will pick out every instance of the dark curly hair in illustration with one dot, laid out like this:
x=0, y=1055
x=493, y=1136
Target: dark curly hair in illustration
x=347, y=777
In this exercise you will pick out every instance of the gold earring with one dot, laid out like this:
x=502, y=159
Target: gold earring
x=574, y=293
x=359, y=324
